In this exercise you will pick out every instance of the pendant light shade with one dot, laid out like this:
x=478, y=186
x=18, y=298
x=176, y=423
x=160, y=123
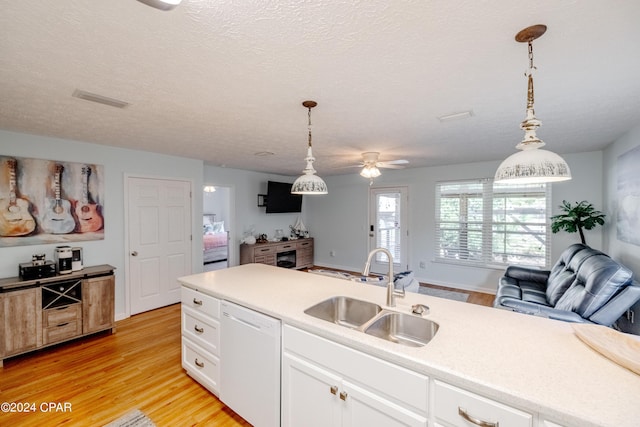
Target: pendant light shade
x=309, y=183
x=161, y=4
x=532, y=164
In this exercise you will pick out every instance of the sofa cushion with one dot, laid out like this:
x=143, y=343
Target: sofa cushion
x=597, y=280
x=563, y=273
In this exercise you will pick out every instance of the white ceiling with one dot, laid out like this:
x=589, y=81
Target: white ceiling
x=220, y=80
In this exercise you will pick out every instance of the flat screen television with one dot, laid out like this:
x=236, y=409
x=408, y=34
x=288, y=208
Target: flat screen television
x=280, y=199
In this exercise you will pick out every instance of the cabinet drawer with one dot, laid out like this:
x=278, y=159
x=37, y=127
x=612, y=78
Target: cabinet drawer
x=201, y=329
x=265, y=259
x=61, y=332
x=396, y=383
x=452, y=403
x=302, y=245
x=264, y=251
x=200, y=302
x=56, y=316
x=286, y=247
x=201, y=365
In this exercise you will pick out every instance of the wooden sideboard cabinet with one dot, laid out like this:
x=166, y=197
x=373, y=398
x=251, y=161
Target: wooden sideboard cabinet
x=290, y=254
x=38, y=313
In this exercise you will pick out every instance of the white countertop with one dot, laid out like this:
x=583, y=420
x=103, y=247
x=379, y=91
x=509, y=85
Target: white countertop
x=529, y=362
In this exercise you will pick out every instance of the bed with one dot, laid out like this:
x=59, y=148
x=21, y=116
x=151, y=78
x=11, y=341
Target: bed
x=215, y=241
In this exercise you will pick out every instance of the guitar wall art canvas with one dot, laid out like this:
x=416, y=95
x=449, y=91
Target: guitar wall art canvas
x=48, y=201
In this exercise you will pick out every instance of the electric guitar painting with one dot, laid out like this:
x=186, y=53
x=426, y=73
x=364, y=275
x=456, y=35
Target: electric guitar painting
x=15, y=219
x=87, y=214
x=58, y=218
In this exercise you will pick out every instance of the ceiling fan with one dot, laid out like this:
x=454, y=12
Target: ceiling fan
x=370, y=165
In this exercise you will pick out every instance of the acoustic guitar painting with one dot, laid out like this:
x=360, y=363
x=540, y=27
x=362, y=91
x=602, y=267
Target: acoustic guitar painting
x=15, y=219
x=88, y=216
x=58, y=219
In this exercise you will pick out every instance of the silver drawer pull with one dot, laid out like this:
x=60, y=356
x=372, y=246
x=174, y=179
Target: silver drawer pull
x=197, y=301
x=199, y=364
x=198, y=330
x=343, y=395
x=477, y=421
x=334, y=389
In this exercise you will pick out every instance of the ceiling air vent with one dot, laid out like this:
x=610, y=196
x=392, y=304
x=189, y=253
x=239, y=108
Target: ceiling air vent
x=93, y=97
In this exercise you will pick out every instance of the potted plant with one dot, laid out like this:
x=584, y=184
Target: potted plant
x=577, y=217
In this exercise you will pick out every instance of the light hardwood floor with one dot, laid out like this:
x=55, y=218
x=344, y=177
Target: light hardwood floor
x=105, y=376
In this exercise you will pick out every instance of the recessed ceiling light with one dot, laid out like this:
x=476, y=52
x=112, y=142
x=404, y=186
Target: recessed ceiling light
x=94, y=97
x=456, y=116
x=263, y=153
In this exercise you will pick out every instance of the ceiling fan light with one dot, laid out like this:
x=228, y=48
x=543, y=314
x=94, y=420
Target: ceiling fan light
x=209, y=189
x=370, y=171
x=161, y=4
x=533, y=166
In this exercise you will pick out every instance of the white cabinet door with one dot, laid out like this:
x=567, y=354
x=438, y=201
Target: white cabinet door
x=364, y=408
x=309, y=394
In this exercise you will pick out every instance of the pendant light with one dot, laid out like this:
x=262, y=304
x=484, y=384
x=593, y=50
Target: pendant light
x=532, y=164
x=309, y=182
x=161, y=4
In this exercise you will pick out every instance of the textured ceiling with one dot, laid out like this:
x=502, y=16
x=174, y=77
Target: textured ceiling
x=220, y=80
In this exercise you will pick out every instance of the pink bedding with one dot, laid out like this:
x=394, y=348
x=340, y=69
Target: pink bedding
x=214, y=240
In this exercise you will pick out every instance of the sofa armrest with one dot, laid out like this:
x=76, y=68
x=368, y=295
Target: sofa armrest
x=540, y=310
x=527, y=274
x=617, y=305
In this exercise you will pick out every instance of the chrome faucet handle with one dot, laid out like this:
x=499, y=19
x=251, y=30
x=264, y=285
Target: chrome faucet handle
x=420, y=309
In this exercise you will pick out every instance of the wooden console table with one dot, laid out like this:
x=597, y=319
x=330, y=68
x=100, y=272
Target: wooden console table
x=38, y=313
x=280, y=254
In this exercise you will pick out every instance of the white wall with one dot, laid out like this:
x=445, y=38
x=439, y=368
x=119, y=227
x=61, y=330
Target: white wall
x=340, y=219
x=117, y=162
x=245, y=213
x=218, y=203
x=626, y=253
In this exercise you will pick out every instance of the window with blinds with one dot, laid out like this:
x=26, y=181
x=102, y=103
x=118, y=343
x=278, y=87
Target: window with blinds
x=484, y=224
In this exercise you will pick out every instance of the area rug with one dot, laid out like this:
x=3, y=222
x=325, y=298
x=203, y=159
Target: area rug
x=134, y=418
x=441, y=293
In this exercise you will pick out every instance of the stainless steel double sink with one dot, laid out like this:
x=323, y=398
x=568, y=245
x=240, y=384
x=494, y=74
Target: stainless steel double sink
x=406, y=329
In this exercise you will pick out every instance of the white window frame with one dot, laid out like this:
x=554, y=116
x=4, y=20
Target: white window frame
x=483, y=223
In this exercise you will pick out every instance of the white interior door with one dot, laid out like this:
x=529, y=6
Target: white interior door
x=159, y=224
x=388, y=227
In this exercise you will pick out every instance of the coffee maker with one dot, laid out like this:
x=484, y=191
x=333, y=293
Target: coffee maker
x=63, y=256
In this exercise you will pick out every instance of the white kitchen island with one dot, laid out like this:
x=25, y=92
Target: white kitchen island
x=537, y=367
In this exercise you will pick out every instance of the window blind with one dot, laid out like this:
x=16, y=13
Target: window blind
x=482, y=223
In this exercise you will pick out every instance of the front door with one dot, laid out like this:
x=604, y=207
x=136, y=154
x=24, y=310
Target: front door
x=388, y=227
x=159, y=224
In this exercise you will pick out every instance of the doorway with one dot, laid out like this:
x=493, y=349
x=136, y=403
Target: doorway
x=159, y=228
x=216, y=224
x=388, y=227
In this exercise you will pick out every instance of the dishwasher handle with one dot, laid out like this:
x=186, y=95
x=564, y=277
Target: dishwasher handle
x=243, y=321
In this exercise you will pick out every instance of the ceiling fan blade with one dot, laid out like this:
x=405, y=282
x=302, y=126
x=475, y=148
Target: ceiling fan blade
x=390, y=166
x=396, y=162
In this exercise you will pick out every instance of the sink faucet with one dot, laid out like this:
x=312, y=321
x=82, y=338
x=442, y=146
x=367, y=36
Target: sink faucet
x=391, y=290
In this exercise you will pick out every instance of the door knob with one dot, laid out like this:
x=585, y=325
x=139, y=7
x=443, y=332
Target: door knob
x=134, y=253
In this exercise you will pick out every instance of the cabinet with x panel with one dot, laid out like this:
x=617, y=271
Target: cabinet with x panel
x=46, y=311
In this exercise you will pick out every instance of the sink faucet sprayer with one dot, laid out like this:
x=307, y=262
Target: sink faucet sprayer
x=391, y=290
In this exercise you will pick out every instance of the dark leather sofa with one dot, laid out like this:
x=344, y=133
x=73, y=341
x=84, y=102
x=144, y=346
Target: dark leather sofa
x=585, y=285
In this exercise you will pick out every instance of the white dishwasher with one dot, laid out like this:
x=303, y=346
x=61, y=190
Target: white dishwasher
x=250, y=364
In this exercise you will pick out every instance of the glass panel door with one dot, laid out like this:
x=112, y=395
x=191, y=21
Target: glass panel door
x=388, y=227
